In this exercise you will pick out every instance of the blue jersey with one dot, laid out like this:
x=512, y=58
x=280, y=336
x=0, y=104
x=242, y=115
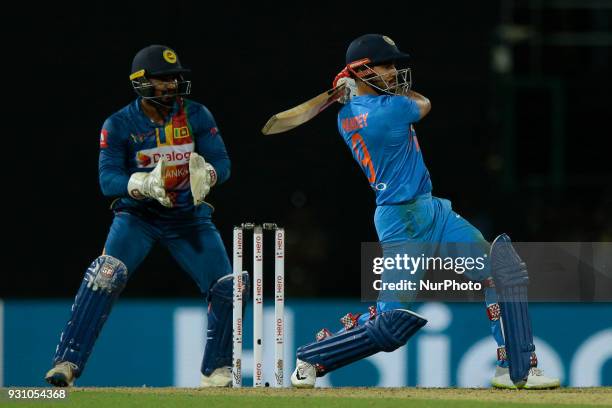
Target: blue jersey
x=131, y=142
x=379, y=132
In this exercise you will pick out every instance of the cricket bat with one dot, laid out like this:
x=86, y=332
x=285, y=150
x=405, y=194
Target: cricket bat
x=294, y=117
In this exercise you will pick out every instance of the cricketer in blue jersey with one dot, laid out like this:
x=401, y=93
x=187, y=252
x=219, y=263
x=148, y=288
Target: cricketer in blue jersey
x=159, y=158
x=377, y=123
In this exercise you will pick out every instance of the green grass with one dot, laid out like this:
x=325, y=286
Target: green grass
x=328, y=398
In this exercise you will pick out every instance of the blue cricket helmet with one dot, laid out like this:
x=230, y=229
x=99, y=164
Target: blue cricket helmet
x=377, y=48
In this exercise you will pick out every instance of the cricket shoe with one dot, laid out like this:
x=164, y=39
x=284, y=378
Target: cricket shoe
x=304, y=375
x=62, y=375
x=536, y=380
x=221, y=377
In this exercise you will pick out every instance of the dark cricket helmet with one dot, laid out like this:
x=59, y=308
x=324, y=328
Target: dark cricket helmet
x=377, y=48
x=157, y=61
x=371, y=50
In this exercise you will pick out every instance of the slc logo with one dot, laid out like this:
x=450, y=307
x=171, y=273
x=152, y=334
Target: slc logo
x=142, y=159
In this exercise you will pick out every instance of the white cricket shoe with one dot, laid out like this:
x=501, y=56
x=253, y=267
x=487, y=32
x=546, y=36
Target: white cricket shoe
x=536, y=380
x=62, y=375
x=221, y=377
x=304, y=375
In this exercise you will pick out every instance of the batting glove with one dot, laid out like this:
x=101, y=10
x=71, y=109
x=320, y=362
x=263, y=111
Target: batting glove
x=202, y=176
x=344, y=77
x=150, y=185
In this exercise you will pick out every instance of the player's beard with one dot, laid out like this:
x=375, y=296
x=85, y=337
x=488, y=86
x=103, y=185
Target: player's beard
x=395, y=84
x=166, y=102
x=386, y=86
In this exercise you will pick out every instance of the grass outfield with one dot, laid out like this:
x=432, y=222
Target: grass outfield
x=327, y=397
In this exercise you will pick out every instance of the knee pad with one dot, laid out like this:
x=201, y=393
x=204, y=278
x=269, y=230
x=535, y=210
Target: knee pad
x=507, y=267
x=107, y=274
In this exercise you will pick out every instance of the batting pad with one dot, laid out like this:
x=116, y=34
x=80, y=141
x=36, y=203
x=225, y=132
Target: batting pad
x=385, y=332
x=511, y=280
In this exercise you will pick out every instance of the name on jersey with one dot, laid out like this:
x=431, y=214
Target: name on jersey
x=175, y=154
x=355, y=122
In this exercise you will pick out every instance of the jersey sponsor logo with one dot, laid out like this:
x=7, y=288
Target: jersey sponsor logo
x=174, y=155
x=176, y=172
x=143, y=159
x=181, y=132
x=355, y=122
x=176, y=177
x=362, y=155
x=104, y=139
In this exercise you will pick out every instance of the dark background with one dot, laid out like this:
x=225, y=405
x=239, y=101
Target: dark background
x=517, y=137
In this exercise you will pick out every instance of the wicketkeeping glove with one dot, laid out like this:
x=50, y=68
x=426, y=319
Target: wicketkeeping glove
x=351, y=87
x=150, y=185
x=202, y=176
